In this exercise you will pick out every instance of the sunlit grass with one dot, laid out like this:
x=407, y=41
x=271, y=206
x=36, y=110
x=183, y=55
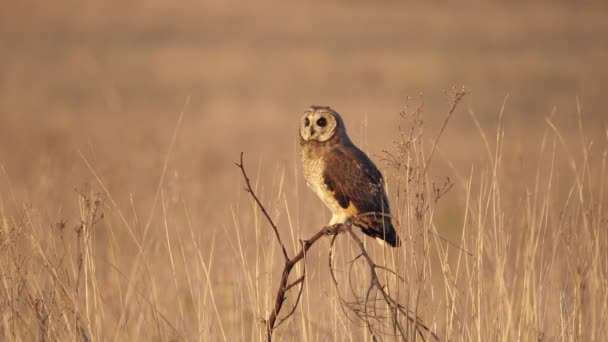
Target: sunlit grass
x=525, y=257
x=122, y=216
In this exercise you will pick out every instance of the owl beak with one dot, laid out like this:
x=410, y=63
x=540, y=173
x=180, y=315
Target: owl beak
x=312, y=131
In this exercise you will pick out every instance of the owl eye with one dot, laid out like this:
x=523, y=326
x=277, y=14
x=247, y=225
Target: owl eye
x=306, y=122
x=322, y=122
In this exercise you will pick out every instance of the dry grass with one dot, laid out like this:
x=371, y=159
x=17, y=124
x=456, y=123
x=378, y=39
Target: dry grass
x=123, y=217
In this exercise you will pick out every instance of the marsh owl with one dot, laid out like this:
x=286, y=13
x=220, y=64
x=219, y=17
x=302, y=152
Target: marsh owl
x=343, y=177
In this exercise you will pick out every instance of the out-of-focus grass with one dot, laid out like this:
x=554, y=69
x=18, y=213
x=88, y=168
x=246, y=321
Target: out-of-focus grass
x=103, y=84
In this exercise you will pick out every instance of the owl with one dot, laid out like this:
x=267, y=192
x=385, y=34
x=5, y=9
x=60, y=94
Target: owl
x=343, y=177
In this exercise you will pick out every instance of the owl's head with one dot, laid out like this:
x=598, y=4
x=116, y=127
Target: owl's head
x=321, y=124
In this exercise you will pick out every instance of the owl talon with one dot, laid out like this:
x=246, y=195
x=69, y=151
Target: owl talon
x=349, y=221
x=334, y=229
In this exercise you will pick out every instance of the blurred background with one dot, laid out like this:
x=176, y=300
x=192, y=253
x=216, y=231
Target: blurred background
x=105, y=82
x=112, y=77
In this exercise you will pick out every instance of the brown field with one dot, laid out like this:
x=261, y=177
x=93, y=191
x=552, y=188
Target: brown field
x=123, y=216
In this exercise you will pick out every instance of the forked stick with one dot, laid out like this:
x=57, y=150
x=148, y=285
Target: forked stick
x=274, y=321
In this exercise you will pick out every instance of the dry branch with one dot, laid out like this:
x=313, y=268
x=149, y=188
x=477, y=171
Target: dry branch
x=273, y=321
x=361, y=306
x=249, y=189
x=396, y=310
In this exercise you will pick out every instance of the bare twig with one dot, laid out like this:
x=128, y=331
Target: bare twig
x=369, y=314
x=364, y=306
x=394, y=306
x=455, y=97
x=273, y=321
x=249, y=189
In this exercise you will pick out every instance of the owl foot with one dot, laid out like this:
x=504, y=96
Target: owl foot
x=335, y=229
x=331, y=230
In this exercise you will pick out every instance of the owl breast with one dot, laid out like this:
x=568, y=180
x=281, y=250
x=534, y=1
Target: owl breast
x=313, y=167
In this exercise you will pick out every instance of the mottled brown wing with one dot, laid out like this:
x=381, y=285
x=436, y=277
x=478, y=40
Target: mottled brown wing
x=358, y=187
x=353, y=178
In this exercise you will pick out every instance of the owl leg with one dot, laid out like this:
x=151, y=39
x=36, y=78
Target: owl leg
x=334, y=220
x=338, y=220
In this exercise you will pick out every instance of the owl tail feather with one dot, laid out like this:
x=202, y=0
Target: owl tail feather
x=381, y=230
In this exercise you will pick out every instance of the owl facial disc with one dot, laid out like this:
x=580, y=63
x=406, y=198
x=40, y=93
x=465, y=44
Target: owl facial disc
x=319, y=124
